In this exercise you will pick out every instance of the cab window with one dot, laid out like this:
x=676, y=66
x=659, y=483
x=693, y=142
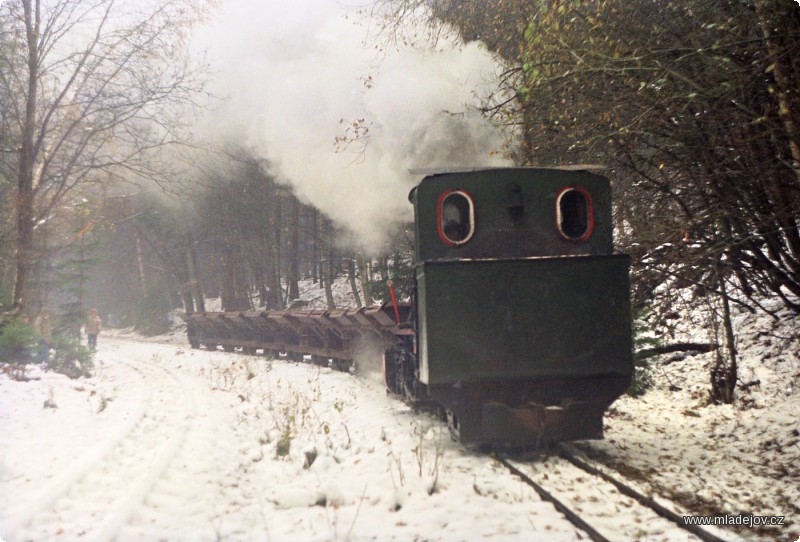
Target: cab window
x=575, y=214
x=456, y=217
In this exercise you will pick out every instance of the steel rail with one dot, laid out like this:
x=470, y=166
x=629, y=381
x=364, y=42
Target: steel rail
x=545, y=495
x=661, y=510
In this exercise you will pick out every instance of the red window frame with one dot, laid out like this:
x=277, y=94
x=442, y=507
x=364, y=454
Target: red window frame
x=589, y=210
x=440, y=211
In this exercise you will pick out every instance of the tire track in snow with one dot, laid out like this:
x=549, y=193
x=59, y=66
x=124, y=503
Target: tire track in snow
x=110, y=481
x=22, y=515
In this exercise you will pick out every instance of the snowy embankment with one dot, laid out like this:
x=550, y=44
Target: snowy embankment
x=718, y=459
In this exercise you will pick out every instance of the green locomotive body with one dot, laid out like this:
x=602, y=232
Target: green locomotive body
x=523, y=328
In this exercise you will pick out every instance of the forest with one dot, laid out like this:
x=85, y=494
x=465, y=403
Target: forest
x=110, y=200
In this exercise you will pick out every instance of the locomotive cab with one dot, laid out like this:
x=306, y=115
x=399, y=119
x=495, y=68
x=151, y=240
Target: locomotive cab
x=523, y=330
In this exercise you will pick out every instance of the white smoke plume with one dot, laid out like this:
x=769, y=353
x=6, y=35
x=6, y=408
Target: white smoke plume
x=294, y=76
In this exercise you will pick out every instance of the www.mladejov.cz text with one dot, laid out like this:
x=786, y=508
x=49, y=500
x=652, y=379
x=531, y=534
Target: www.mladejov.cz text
x=739, y=519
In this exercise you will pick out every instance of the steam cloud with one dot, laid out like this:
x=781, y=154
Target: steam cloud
x=294, y=77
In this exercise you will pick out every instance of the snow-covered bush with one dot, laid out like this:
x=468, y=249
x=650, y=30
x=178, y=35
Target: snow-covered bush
x=20, y=347
x=70, y=358
x=643, y=338
x=17, y=346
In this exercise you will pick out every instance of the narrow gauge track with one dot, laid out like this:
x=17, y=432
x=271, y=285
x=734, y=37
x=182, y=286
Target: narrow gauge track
x=595, y=514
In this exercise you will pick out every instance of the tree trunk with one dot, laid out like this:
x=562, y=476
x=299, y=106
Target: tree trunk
x=240, y=283
x=292, y=240
x=272, y=299
x=351, y=273
x=259, y=276
x=782, y=15
x=140, y=262
x=724, y=374
x=27, y=157
x=188, y=299
x=275, y=285
x=228, y=294
x=329, y=272
x=730, y=341
x=194, y=283
x=315, y=273
x=362, y=271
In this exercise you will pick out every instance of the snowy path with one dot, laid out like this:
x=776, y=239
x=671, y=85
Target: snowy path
x=143, y=449
x=92, y=480
x=109, y=480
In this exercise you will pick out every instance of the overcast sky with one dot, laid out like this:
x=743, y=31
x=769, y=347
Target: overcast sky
x=292, y=75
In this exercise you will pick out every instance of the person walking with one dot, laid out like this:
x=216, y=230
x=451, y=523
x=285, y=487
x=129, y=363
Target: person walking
x=93, y=326
x=43, y=329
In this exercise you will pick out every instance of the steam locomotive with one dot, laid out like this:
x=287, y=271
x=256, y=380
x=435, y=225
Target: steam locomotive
x=519, y=325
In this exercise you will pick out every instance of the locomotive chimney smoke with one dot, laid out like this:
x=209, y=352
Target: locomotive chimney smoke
x=302, y=90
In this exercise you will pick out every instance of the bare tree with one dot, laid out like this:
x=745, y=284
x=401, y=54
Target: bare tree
x=92, y=89
x=7, y=183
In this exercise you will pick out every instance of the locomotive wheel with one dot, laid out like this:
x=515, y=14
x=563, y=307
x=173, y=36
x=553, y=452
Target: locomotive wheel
x=341, y=364
x=390, y=371
x=319, y=360
x=400, y=374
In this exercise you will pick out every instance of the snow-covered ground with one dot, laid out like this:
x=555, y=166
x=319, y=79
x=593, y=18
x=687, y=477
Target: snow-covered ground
x=169, y=443
x=719, y=459
x=165, y=443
